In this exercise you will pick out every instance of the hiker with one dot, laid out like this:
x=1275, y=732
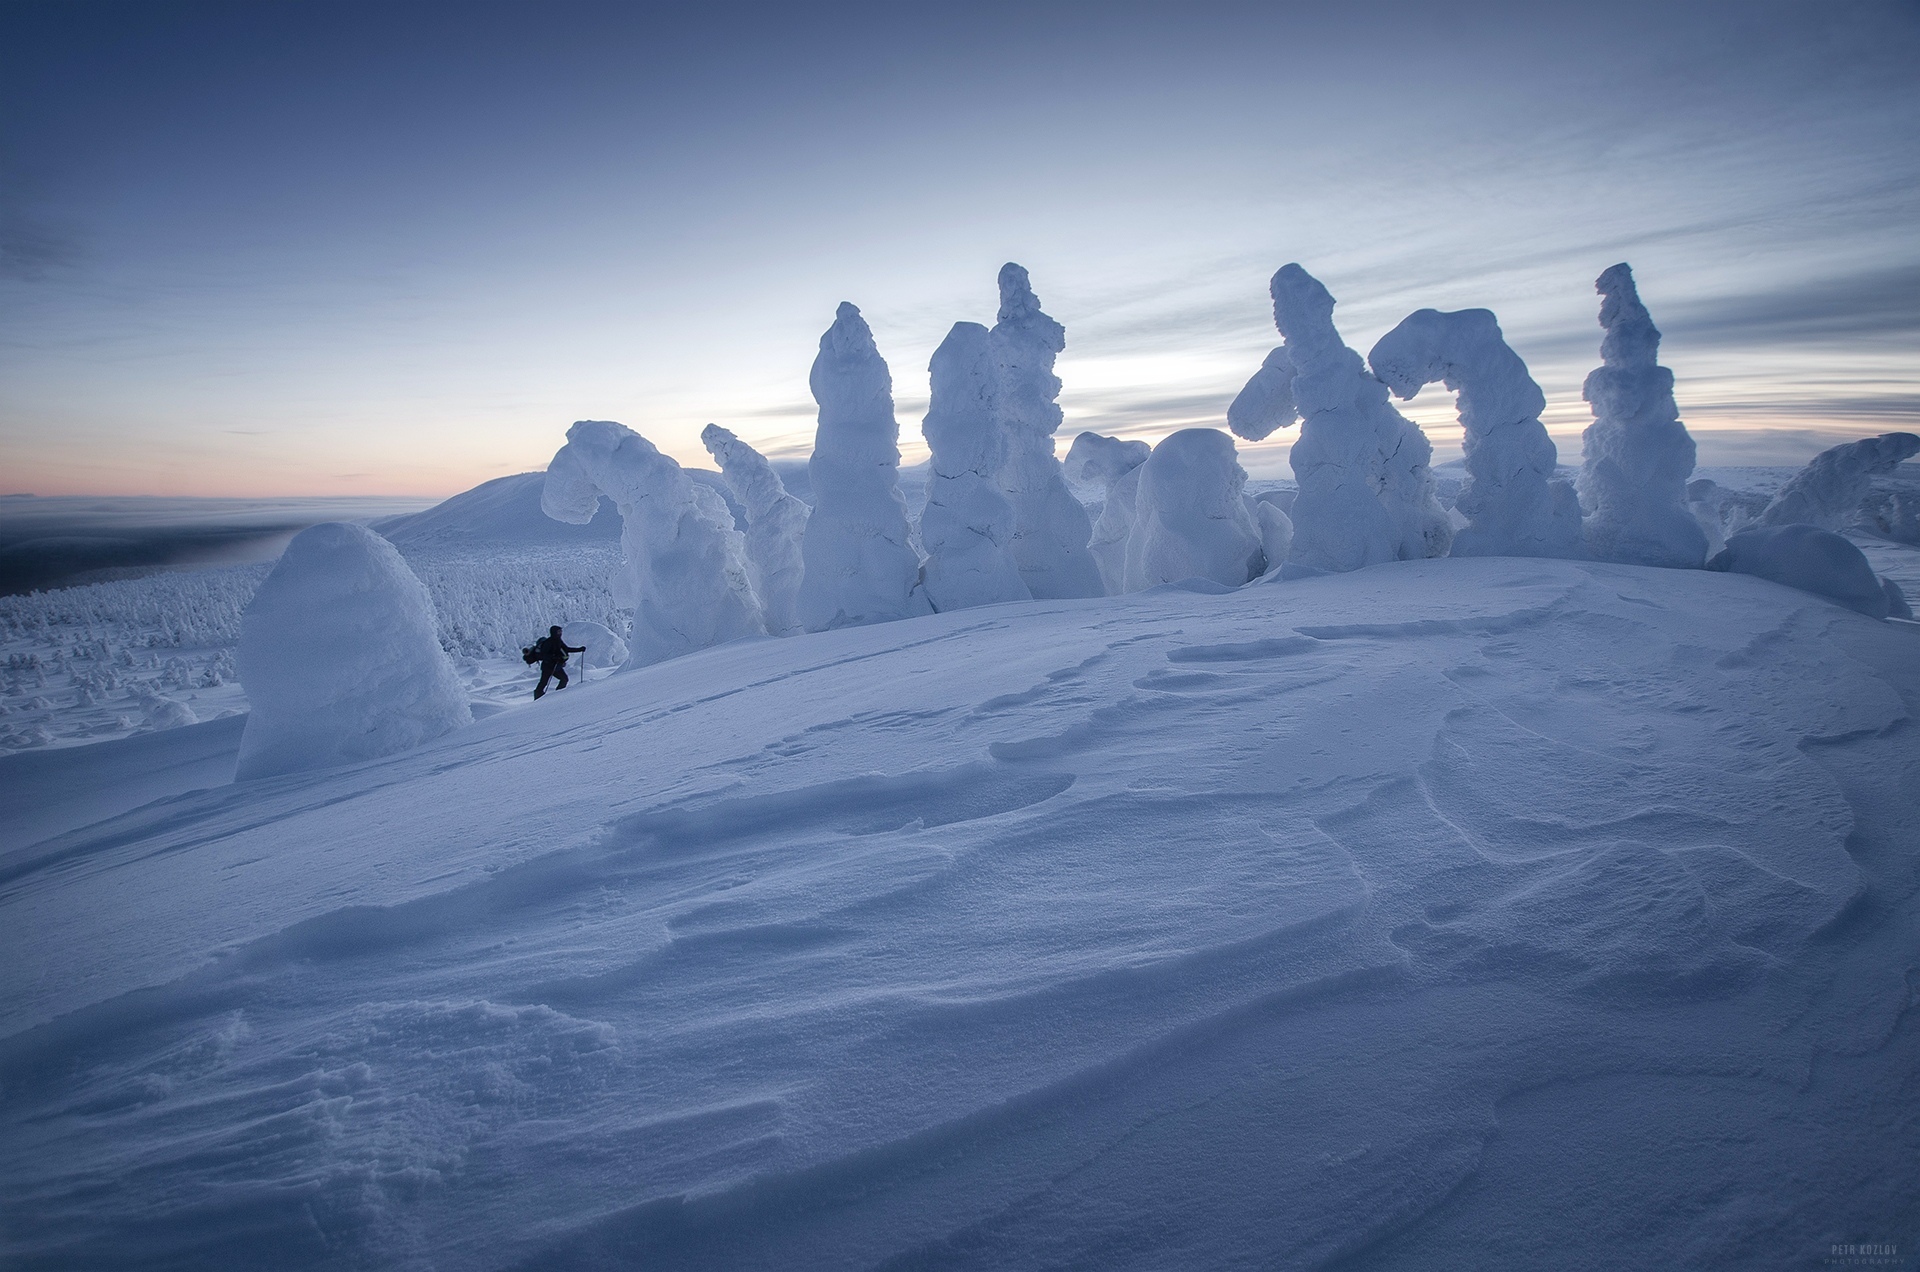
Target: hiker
x=552, y=653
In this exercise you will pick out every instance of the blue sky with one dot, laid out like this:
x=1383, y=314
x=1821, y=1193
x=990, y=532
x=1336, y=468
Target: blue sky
x=303, y=248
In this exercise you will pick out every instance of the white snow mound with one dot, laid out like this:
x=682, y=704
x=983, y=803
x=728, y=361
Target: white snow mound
x=1189, y=519
x=340, y=659
x=1810, y=559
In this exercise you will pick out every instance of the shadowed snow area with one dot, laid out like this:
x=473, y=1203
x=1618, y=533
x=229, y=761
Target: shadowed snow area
x=1486, y=913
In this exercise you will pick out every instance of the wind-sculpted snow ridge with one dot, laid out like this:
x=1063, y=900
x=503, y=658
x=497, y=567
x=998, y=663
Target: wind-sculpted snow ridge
x=339, y=657
x=860, y=566
x=1050, y=527
x=1189, y=518
x=1512, y=504
x=1637, y=454
x=1828, y=492
x=685, y=572
x=776, y=524
x=1400, y=916
x=1114, y=466
x=968, y=526
x=1266, y=404
x=1365, y=475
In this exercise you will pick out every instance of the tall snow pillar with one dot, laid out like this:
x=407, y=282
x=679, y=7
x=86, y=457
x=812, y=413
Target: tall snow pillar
x=1637, y=454
x=860, y=565
x=1364, y=470
x=685, y=572
x=340, y=658
x=1509, y=498
x=967, y=528
x=776, y=522
x=1050, y=528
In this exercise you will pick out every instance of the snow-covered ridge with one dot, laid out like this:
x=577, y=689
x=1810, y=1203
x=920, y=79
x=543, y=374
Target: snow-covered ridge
x=1396, y=914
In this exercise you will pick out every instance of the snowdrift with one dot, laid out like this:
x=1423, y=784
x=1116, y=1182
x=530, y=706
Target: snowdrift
x=1457, y=913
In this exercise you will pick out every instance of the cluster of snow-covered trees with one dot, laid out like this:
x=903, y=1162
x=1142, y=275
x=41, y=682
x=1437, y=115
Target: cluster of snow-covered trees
x=1001, y=522
x=339, y=651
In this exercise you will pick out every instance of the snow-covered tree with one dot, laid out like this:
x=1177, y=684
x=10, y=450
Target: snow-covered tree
x=1050, y=527
x=1828, y=492
x=1364, y=470
x=967, y=528
x=1114, y=466
x=860, y=563
x=1637, y=454
x=685, y=572
x=776, y=523
x=1512, y=504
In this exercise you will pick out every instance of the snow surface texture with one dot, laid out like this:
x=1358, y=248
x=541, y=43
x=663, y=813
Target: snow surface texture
x=1512, y=504
x=1366, y=483
x=1266, y=404
x=860, y=563
x=1808, y=558
x=1637, y=454
x=340, y=659
x=1189, y=520
x=968, y=526
x=1828, y=492
x=685, y=574
x=1050, y=527
x=776, y=524
x=1112, y=465
x=1483, y=913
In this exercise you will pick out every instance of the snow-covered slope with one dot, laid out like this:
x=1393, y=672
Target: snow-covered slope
x=504, y=510
x=1455, y=913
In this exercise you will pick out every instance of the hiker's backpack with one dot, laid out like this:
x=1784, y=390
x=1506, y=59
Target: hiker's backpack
x=530, y=655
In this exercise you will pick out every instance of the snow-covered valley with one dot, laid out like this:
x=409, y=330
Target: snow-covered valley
x=1463, y=912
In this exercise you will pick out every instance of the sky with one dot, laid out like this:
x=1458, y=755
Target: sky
x=300, y=249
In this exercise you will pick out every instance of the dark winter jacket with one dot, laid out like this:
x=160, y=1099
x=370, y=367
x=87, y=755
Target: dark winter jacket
x=553, y=651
